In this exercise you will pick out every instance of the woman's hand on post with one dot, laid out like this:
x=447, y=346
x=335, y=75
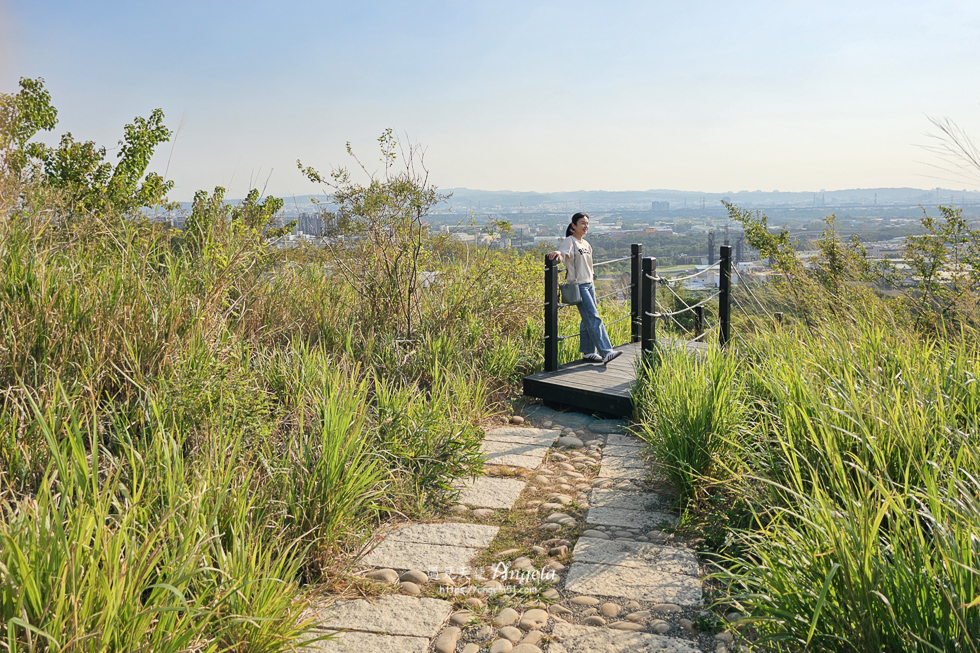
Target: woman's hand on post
x=553, y=255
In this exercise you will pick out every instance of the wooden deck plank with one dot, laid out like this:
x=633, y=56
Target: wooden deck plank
x=595, y=387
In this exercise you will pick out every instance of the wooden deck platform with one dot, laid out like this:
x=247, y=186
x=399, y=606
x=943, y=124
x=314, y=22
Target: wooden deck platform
x=593, y=387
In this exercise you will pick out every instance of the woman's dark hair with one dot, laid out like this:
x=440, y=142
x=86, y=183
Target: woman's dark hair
x=575, y=218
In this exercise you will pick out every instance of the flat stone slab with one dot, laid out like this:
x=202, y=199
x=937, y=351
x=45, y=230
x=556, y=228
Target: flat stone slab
x=639, y=555
x=643, y=510
x=390, y=615
x=624, y=440
x=523, y=435
x=616, y=468
x=625, y=457
x=587, y=639
x=489, y=492
x=573, y=421
x=431, y=546
x=451, y=534
x=644, y=520
x=526, y=455
x=608, y=426
x=633, y=583
x=649, y=501
x=623, y=451
x=417, y=555
x=524, y=462
x=539, y=412
x=357, y=642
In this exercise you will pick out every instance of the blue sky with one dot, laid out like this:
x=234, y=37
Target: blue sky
x=545, y=96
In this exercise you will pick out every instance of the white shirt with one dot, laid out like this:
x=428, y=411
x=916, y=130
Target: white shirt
x=577, y=256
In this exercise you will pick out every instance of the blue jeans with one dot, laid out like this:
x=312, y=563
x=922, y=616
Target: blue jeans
x=591, y=331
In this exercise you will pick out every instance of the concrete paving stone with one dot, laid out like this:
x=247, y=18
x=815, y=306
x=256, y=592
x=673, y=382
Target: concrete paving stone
x=450, y=534
x=415, y=555
x=640, y=584
x=617, y=426
x=622, y=451
x=522, y=435
x=527, y=456
x=624, y=440
x=626, y=518
x=538, y=412
x=489, y=492
x=392, y=615
x=628, y=460
x=613, y=468
x=513, y=448
x=524, y=462
x=572, y=420
x=604, y=498
x=639, y=555
x=582, y=639
x=353, y=641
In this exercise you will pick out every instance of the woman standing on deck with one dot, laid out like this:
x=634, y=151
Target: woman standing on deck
x=577, y=256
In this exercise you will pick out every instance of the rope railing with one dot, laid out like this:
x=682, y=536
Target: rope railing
x=703, y=334
x=748, y=289
x=644, y=307
x=669, y=280
x=608, y=324
x=615, y=292
x=688, y=308
x=612, y=260
x=679, y=325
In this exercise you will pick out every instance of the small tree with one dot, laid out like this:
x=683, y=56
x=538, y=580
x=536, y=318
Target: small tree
x=212, y=220
x=945, y=266
x=383, y=230
x=78, y=168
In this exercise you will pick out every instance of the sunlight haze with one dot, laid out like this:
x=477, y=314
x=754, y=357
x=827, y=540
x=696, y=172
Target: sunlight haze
x=546, y=96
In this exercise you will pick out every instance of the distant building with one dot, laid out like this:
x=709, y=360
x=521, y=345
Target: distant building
x=659, y=206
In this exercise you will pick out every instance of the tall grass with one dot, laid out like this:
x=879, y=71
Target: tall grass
x=858, y=468
x=222, y=427
x=691, y=410
x=127, y=552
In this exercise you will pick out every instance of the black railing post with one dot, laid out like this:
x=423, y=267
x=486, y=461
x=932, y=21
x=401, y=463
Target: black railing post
x=698, y=321
x=636, y=269
x=550, y=314
x=779, y=318
x=648, y=323
x=725, y=295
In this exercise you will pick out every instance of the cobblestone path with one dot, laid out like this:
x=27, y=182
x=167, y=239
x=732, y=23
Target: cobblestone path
x=559, y=548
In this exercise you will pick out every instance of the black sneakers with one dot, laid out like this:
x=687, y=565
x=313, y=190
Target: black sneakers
x=592, y=358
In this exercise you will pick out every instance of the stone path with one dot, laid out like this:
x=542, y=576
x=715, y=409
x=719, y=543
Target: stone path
x=596, y=573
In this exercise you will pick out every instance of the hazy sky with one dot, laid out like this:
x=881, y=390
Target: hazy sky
x=545, y=96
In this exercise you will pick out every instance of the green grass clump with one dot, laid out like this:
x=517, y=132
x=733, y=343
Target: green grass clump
x=692, y=411
x=850, y=454
x=222, y=427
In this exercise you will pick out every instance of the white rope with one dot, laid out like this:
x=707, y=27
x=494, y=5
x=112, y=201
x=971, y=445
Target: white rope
x=674, y=319
x=685, y=310
x=752, y=295
x=666, y=280
x=615, y=292
x=703, y=334
x=615, y=260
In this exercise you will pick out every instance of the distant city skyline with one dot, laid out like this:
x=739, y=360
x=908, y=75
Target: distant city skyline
x=551, y=96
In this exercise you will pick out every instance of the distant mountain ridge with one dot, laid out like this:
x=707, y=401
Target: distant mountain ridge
x=466, y=199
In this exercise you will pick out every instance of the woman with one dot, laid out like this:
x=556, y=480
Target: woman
x=577, y=256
